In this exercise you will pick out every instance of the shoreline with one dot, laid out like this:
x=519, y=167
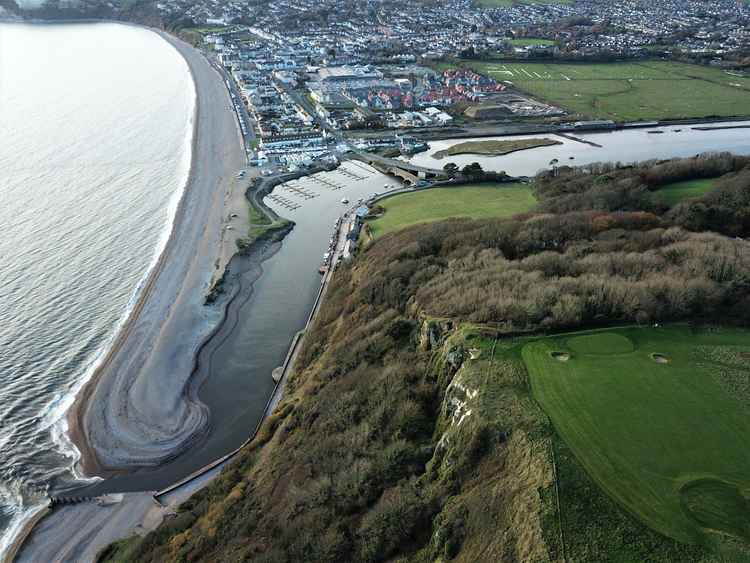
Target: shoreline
x=88, y=462
x=191, y=419
x=224, y=253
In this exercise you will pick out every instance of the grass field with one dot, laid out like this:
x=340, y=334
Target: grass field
x=668, y=440
x=477, y=201
x=526, y=41
x=672, y=194
x=629, y=91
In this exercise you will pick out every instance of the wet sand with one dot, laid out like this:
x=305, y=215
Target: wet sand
x=137, y=410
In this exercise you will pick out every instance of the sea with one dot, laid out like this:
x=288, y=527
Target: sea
x=96, y=124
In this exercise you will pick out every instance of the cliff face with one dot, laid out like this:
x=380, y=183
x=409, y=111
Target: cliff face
x=492, y=457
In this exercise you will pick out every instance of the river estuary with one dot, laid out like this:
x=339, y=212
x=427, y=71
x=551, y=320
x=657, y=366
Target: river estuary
x=89, y=189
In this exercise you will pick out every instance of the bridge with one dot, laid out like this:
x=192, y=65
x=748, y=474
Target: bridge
x=409, y=173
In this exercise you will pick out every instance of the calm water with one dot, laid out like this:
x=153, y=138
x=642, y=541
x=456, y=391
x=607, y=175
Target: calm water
x=96, y=122
x=236, y=364
x=624, y=146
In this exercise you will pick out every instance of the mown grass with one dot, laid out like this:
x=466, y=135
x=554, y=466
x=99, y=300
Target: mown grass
x=674, y=193
x=628, y=91
x=660, y=439
x=571, y=533
x=474, y=201
x=526, y=41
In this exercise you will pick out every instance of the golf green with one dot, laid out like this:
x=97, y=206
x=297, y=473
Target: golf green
x=659, y=419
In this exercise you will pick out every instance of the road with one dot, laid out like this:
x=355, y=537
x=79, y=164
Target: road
x=305, y=104
x=248, y=135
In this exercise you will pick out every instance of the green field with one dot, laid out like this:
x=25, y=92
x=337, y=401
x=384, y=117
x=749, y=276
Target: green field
x=526, y=41
x=477, y=201
x=672, y=194
x=629, y=91
x=668, y=440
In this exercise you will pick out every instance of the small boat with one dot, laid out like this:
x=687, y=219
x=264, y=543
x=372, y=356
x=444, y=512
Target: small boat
x=571, y=158
x=344, y=201
x=676, y=130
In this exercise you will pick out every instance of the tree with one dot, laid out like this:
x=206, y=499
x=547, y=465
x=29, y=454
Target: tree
x=473, y=171
x=451, y=169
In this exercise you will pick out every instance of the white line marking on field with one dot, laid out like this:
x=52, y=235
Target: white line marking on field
x=565, y=77
x=537, y=74
x=527, y=73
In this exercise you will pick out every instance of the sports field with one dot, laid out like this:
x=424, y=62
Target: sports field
x=475, y=201
x=672, y=194
x=526, y=41
x=629, y=91
x=659, y=419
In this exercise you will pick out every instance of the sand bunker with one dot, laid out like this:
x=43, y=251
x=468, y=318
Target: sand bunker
x=660, y=358
x=560, y=356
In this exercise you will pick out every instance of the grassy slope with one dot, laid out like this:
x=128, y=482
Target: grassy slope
x=260, y=225
x=642, y=429
x=629, y=91
x=487, y=200
x=672, y=194
x=494, y=147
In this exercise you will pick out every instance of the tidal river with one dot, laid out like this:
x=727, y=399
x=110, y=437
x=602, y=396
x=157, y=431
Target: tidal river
x=626, y=146
x=96, y=124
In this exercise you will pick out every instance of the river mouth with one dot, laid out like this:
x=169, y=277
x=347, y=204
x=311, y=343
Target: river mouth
x=272, y=292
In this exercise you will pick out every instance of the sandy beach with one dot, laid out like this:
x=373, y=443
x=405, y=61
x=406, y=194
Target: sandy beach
x=136, y=410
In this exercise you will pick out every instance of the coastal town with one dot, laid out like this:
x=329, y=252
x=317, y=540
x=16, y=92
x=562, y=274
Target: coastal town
x=415, y=213
x=365, y=30
x=311, y=80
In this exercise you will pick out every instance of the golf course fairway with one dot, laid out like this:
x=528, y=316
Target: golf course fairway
x=659, y=419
